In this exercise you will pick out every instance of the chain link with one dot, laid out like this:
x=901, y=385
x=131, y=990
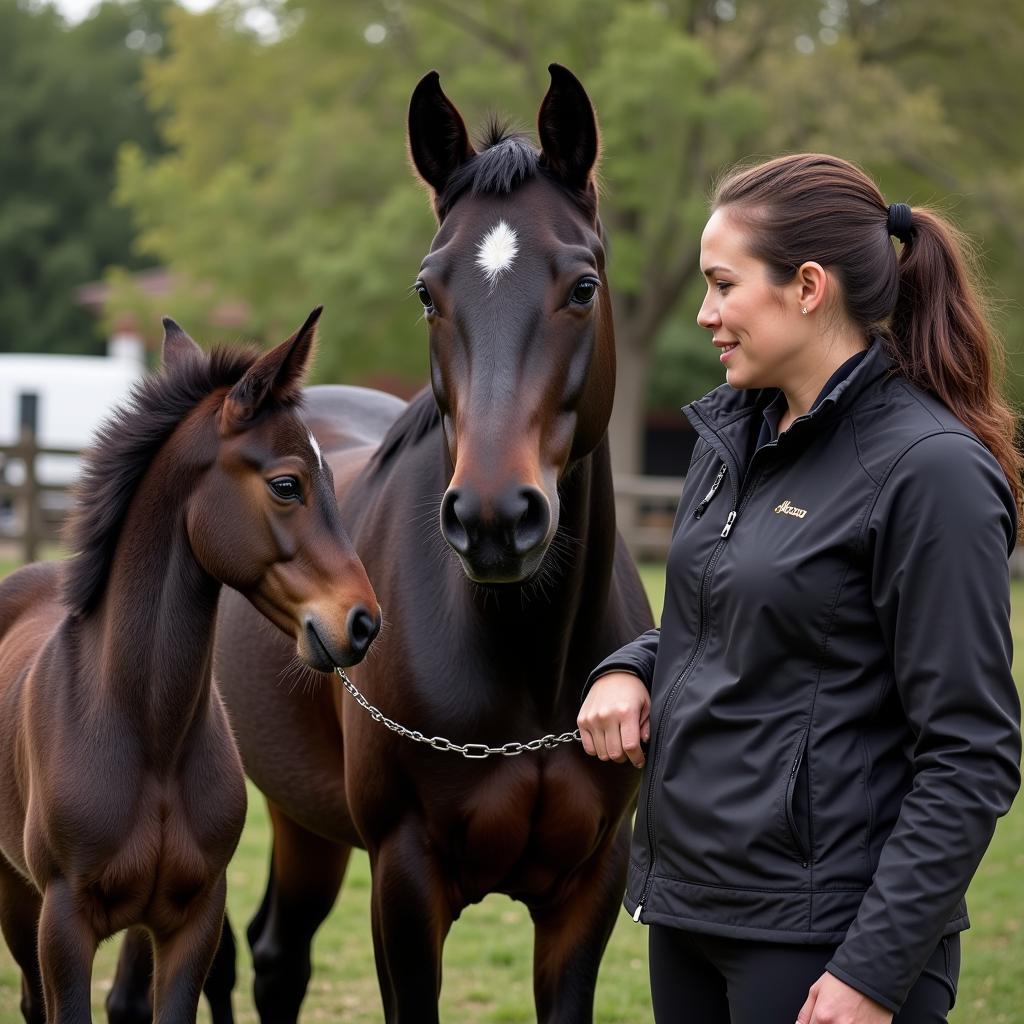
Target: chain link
x=473, y=751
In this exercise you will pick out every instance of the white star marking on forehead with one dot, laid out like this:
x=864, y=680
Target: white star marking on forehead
x=316, y=450
x=496, y=252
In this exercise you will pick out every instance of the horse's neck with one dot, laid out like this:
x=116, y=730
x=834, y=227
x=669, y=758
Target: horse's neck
x=151, y=637
x=556, y=619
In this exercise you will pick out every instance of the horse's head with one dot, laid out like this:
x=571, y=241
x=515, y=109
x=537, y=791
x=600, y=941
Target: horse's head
x=522, y=354
x=262, y=517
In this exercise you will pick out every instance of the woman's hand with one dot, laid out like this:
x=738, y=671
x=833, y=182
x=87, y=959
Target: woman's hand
x=832, y=1001
x=615, y=717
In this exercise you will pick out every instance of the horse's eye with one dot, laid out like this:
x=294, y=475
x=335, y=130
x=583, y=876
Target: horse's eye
x=584, y=291
x=286, y=487
x=421, y=291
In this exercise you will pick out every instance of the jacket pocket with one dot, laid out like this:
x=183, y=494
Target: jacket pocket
x=797, y=809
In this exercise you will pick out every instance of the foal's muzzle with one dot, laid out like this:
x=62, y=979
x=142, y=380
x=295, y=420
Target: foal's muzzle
x=321, y=650
x=503, y=542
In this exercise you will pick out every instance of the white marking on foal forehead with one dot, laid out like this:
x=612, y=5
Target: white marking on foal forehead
x=496, y=252
x=316, y=450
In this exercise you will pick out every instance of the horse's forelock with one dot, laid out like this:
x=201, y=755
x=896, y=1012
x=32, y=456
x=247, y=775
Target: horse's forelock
x=508, y=160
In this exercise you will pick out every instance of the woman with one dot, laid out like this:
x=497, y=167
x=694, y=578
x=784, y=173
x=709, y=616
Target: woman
x=833, y=725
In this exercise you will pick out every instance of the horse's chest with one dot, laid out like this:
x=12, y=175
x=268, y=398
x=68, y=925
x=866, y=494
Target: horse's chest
x=525, y=824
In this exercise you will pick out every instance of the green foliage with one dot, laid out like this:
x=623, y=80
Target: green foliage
x=68, y=99
x=286, y=181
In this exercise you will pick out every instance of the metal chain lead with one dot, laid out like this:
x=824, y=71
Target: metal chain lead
x=474, y=751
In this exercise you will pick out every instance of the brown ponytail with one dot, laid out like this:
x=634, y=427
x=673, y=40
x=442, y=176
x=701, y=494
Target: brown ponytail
x=924, y=303
x=941, y=339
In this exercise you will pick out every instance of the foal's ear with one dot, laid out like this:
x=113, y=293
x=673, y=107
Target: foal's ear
x=276, y=376
x=438, y=140
x=568, y=129
x=178, y=347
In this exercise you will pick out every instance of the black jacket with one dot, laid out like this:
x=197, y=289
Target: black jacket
x=835, y=729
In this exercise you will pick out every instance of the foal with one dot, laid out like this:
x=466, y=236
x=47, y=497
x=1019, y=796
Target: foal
x=121, y=790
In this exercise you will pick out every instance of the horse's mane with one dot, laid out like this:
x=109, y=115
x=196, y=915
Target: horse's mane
x=418, y=418
x=121, y=452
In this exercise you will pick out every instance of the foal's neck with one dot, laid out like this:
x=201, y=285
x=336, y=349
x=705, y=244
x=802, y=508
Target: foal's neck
x=154, y=625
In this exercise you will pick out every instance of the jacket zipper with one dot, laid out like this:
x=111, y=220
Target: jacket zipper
x=703, y=506
x=742, y=496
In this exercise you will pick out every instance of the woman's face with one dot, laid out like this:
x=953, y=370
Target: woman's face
x=757, y=327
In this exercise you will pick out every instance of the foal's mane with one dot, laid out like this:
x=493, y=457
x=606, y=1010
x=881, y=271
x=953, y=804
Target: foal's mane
x=503, y=161
x=121, y=452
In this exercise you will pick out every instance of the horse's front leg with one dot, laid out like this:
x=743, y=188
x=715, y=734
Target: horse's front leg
x=411, y=918
x=306, y=872
x=130, y=999
x=67, y=946
x=570, y=936
x=182, y=957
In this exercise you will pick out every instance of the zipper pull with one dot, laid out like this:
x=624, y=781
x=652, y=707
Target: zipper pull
x=702, y=507
x=728, y=523
x=636, y=913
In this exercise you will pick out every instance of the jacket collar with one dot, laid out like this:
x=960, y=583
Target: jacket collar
x=722, y=417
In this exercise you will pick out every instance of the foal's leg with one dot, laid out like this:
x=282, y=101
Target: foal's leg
x=411, y=918
x=19, y=922
x=570, y=937
x=67, y=946
x=183, y=958
x=306, y=874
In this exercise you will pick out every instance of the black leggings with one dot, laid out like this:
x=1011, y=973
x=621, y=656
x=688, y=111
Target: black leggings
x=704, y=979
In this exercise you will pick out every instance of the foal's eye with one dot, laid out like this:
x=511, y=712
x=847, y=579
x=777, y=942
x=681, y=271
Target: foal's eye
x=584, y=291
x=424, y=295
x=286, y=487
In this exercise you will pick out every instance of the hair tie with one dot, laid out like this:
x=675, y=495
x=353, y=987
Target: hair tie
x=900, y=222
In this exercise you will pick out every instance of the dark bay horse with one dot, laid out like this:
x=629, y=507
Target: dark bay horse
x=122, y=795
x=493, y=623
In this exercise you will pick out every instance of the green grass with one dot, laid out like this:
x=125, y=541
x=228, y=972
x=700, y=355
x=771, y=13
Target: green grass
x=487, y=964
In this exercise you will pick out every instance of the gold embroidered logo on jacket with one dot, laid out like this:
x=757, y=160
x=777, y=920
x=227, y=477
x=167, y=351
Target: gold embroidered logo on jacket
x=786, y=509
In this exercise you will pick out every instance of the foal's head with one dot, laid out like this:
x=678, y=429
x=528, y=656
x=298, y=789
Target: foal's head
x=245, y=483
x=522, y=353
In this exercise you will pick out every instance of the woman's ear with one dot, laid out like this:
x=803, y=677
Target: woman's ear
x=812, y=286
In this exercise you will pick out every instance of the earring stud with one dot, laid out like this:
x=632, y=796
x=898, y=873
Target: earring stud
x=803, y=312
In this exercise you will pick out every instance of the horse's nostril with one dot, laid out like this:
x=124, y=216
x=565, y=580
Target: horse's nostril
x=460, y=516
x=531, y=527
x=362, y=628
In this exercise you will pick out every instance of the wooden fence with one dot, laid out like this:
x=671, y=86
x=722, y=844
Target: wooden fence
x=31, y=511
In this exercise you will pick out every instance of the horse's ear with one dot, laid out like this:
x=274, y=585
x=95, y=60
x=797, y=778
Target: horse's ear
x=438, y=140
x=568, y=129
x=276, y=376
x=177, y=347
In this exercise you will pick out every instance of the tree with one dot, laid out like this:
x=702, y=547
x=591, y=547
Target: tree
x=68, y=98
x=286, y=180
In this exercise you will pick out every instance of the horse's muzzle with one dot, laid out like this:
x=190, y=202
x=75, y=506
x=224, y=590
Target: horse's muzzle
x=503, y=543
